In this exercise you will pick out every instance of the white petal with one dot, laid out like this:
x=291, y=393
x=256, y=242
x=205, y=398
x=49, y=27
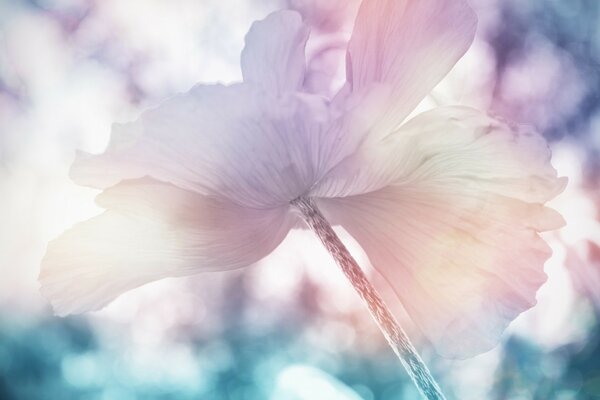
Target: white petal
x=453, y=147
x=253, y=147
x=452, y=222
x=274, y=54
x=150, y=231
x=403, y=48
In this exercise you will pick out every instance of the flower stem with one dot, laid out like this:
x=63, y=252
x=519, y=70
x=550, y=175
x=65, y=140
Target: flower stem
x=392, y=331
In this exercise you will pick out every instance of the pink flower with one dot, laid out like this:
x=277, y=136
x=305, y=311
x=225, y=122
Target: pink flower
x=325, y=15
x=447, y=205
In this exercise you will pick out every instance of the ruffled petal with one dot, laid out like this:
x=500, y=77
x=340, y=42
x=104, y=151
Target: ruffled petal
x=164, y=142
x=274, y=54
x=403, y=48
x=239, y=141
x=452, y=222
x=453, y=146
x=152, y=230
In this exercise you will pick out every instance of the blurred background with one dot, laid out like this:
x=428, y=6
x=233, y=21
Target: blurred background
x=290, y=327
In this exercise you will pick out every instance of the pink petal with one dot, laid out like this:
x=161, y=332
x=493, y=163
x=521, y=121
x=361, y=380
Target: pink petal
x=150, y=231
x=403, y=48
x=274, y=54
x=164, y=142
x=452, y=222
x=253, y=147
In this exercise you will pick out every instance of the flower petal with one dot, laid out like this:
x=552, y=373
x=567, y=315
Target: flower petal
x=150, y=231
x=256, y=148
x=164, y=142
x=403, y=48
x=452, y=146
x=452, y=222
x=274, y=54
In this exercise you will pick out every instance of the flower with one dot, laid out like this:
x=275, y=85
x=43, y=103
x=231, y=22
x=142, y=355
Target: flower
x=325, y=15
x=447, y=205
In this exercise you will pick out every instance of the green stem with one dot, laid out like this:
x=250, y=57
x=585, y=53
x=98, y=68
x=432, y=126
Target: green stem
x=392, y=331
